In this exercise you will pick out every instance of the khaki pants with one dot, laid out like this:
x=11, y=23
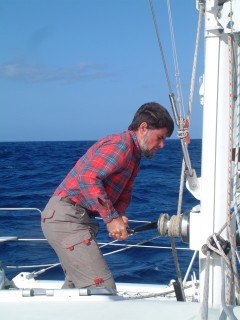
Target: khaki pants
x=72, y=235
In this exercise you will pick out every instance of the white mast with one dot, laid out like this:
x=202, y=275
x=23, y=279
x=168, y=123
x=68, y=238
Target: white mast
x=215, y=142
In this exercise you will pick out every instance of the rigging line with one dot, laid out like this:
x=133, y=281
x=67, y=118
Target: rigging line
x=234, y=265
x=149, y=247
x=174, y=252
x=175, y=258
x=30, y=239
x=181, y=188
x=104, y=244
x=182, y=180
x=238, y=257
x=223, y=227
x=201, y=9
x=20, y=209
x=106, y=254
x=108, y=243
x=180, y=101
x=229, y=271
x=231, y=14
x=128, y=294
x=237, y=136
x=114, y=244
x=228, y=311
x=160, y=47
x=179, y=121
x=129, y=220
x=34, y=274
x=190, y=267
x=177, y=72
x=204, y=305
x=32, y=266
x=135, y=245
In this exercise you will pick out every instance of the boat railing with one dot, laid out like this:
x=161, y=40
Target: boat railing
x=119, y=247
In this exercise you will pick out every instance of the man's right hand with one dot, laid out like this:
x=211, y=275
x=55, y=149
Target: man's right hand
x=117, y=229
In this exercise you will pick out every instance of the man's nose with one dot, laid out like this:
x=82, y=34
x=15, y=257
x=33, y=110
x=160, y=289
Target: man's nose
x=161, y=144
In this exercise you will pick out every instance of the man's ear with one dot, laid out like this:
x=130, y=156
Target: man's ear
x=143, y=128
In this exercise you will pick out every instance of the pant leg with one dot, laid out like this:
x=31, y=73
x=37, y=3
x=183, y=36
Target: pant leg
x=72, y=235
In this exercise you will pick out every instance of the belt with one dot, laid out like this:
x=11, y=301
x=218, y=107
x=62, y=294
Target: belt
x=70, y=201
x=92, y=214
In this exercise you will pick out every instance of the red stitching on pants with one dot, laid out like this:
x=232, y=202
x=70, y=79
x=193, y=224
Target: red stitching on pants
x=98, y=281
x=86, y=241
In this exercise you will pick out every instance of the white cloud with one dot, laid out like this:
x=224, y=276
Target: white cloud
x=20, y=71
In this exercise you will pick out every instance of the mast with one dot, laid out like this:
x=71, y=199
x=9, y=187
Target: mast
x=215, y=139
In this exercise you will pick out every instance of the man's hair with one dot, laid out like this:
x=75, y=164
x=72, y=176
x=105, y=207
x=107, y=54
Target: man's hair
x=155, y=115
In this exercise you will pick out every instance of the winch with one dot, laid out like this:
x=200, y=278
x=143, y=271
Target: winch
x=174, y=226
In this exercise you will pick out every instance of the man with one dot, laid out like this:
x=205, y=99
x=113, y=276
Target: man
x=101, y=183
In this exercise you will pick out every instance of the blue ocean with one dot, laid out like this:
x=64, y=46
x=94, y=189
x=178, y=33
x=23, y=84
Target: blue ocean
x=30, y=172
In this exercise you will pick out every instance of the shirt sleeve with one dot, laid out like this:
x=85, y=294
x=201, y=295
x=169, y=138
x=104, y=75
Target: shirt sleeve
x=106, y=160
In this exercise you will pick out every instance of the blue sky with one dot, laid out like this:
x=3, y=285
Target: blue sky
x=78, y=70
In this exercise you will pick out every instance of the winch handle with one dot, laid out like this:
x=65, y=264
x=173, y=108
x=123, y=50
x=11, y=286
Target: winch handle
x=147, y=226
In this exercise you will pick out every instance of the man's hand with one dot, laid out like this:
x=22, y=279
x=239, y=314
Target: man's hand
x=117, y=228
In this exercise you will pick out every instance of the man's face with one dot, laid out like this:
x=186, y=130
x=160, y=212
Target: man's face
x=152, y=140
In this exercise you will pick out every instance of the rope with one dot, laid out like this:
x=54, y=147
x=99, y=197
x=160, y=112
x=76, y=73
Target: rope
x=175, y=258
x=204, y=306
x=181, y=187
x=227, y=310
x=237, y=139
x=160, y=47
x=229, y=270
x=190, y=267
x=20, y=209
x=220, y=252
x=231, y=237
x=201, y=9
x=107, y=244
x=177, y=73
x=31, y=266
x=149, y=295
x=105, y=254
x=174, y=230
x=174, y=225
x=100, y=243
x=134, y=245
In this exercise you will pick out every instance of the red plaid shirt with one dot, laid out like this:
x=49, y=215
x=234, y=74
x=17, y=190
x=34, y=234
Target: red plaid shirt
x=103, y=177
